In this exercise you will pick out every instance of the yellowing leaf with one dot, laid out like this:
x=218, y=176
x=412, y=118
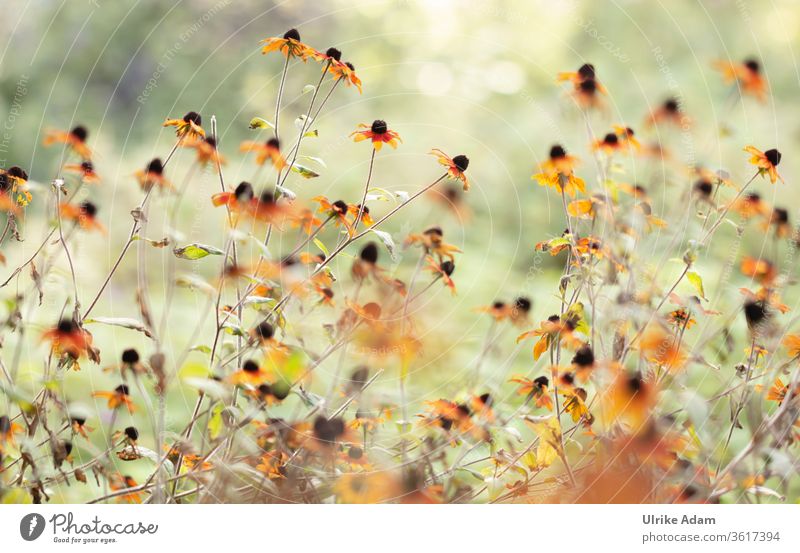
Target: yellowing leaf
x=196, y=251
x=697, y=282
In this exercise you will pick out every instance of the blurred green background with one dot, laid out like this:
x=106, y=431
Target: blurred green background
x=473, y=77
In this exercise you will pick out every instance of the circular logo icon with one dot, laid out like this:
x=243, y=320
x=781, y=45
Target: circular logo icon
x=31, y=526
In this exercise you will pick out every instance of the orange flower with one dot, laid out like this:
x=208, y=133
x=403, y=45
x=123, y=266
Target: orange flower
x=432, y=241
x=84, y=214
x=78, y=425
x=338, y=210
x=747, y=75
x=355, y=209
x=670, y=111
x=536, y=389
x=792, y=345
x=760, y=269
x=13, y=191
x=498, y=310
x=749, y=205
x=153, y=175
x=444, y=269
x=627, y=137
x=251, y=373
x=188, y=127
x=237, y=201
x=779, y=218
x=778, y=391
x=117, y=397
x=584, y=362
x=269, y=150
x=609, y=144
x=681, y=318
x=347, y=73
x=75, y=139
x=555, y=327
x=456, y=166
x=378, y=132
x=85, y=170
x=289, y=45
x=557, y=172
x=207, y=151
x=575, y=405
x=662, y=348
x=118, y=482
x=273, y=464
x=586, y=87
x=7, y=430
x=766, y=162
x=68, y=337
x=629, y=399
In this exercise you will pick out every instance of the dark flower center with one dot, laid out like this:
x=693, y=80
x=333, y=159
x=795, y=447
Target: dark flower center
x=89, y=209
x=486, y=399
x=80, y=133
x=274, y=143
x=328, y=430
x=461, y=162
x=334, y=53
x=132, y=433
x=130, y=356
x=557, y=151
x=753, y=65
x=350, y=66
x=379, y=126
x=265, y=330
x=588, y=86
x=586, y=71
x=244, y=192
x=80, y=421
x=193, y=117
x=635, y=383
x=122, y=389
x=5, y=424
x=448, y=267
x=754, y=312
x=340, y=207
x=433, y=231
x=292, y=34
x=671, y=105
x=774, y=156
x=584, y=357
x=87, y=167
x=498, y=305
x=781, y=215
x=264, y=389
x=704, y=187
x=66, y=326
x=542, y=381
x=355, y=452
x=250, y=366
x=611, y=138
x=155, y=166
x=211, y=141
x=369, y=253
x=266, y=197
x=522, y=304
x=18, y=172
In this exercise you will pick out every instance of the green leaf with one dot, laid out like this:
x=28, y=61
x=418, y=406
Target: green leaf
x=697, y=282
x=260, y=123
x=321, y=246
x=196, y=251
x=215, y=422
x=317, y=160
x=304, y=171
